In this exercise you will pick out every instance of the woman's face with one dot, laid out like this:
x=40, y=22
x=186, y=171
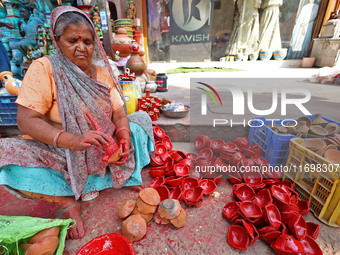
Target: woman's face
x=77, y=44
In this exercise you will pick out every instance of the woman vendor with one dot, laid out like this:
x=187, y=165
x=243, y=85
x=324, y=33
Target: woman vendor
x=63, y=161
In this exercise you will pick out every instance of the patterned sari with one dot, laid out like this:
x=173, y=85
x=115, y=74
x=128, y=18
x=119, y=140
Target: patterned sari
x=78, y=94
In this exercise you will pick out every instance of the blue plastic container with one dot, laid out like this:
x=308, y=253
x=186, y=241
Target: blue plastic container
x=8, y=111
x=274, y=146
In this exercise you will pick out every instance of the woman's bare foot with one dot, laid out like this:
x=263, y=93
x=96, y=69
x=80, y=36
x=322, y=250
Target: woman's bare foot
x=73, y=212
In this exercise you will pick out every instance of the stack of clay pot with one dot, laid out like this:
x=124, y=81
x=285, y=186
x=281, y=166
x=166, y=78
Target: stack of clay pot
x=150, y=104
x=308, y=128
x=145, y=207
x=43, y=243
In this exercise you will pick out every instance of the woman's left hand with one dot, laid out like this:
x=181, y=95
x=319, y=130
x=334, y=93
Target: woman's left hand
x=125, y=154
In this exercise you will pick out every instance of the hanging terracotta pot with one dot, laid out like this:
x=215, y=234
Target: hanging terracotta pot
x=121, y=42
x=135, y=63
x=238, y=237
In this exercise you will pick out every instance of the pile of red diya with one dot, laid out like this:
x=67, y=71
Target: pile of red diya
x=265, y=207
x=150, y=104
x=172, y=175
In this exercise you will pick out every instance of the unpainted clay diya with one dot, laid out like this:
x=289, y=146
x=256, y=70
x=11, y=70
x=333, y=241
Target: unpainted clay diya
x=169, y=209
x=134, y=228
x=181, y=220
x=150, y=196
x=159, y=220
x=146, y=217
x=46, y=245
x=53, y=231
x=144, y=207
x=126, y=208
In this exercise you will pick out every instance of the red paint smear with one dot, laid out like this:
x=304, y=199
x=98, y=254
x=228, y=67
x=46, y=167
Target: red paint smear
x=170, y=240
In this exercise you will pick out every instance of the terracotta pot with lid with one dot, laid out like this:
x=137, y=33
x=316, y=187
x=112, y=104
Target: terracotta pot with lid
x=121, y=42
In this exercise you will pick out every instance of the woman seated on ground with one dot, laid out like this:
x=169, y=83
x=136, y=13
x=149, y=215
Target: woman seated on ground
x=64, y=158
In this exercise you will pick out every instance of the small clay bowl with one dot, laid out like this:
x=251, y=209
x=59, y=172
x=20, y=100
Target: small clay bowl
x=163, y=192
x=243, y=192
x=310, y=246
x=144, y=207
x=158, y=132
x=176, y=193
x=194, y=195
x=181, y=169
x=230, y=210
x=238, y=237
x=185, y=161
x=160, y=149
x=303, y=207
x=250, y=210
x=134, y=228
x=263, y=197
x=272, y=215
x=218, y=179
x=287, y=216
x=216, y=145
x=201, y=142
x=173, y=181
x=53, y=231
x=206, y=153
x=156, y=172
x=242, y=142
x=252, y=178
x=270, y=237
x=189, y=183
x=280, y=195
x=180, y=221
x=313, y=230
x=333, y=156
x=176, y=157
x=208, y=186
x=192, y=156
x=318, y=130
x=126, y=208
x=250, y=228
x=157, y=181
x=286, y=244
x=159, y=220
x=169, y=209
x=146, y=217
x=168, y=164
x=298, y=227
x=167, y=143
x=306, y=119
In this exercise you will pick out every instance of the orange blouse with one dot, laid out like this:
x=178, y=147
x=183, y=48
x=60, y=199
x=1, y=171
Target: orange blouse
x=38, y=91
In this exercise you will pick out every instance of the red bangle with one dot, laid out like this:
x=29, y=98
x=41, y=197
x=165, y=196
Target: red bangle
x=55, y=140
x=121, y=129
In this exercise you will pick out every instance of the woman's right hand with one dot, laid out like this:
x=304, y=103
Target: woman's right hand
x=91, y=137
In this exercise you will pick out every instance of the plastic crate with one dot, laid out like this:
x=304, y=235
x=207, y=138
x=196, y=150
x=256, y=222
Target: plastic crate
x=8, y=111
x=321, y=188
x=274, y=146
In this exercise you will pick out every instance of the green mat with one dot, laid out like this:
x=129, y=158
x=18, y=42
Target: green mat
x=200, y=69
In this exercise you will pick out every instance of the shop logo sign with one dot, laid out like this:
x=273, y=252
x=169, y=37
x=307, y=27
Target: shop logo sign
x=190, y=15
x=239, y=100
